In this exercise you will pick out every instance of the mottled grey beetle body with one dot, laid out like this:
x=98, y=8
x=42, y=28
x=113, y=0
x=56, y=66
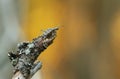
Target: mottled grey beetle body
x=28, y=52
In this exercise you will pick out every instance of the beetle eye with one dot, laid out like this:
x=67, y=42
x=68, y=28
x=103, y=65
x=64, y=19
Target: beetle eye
x=12, y=56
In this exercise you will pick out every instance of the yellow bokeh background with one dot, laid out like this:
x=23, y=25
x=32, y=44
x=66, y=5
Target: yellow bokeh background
x=87, y=43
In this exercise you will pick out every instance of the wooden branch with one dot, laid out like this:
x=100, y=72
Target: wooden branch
x=18, y=75
x=24, y=59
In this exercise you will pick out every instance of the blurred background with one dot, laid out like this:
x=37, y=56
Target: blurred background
x=87, y=45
